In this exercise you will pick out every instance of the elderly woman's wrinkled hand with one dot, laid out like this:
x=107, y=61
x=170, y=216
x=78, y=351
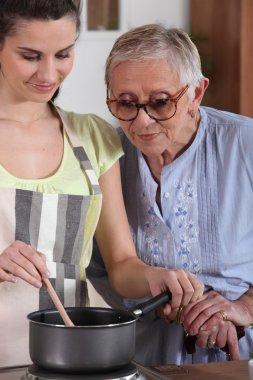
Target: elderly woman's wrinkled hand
x=184, y=286
x=211, y=309
x=223, y=335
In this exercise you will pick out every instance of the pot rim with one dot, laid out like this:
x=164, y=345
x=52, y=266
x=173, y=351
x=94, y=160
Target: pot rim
x=85, y=308
x=83, y=326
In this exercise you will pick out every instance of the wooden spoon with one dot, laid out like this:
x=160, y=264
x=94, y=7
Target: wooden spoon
x=57, y=303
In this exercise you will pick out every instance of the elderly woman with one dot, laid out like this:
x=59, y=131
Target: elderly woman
x=188, y=189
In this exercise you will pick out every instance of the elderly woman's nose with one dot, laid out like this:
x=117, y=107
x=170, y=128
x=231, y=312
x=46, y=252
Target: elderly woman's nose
x=143, y=117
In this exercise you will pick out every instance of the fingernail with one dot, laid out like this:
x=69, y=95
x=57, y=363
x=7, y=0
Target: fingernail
x=38, y=284
x=14, y=279
x=202, y=328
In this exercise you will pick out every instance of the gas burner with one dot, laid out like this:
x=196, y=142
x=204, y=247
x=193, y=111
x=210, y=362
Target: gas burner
x=129, y=372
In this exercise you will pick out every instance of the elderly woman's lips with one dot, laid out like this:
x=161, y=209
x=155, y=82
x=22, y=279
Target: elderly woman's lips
x=148, y=137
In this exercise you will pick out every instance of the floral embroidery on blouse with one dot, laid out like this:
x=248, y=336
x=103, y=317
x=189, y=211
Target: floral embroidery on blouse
x=178, y=238
x=186, y=231
x=151, y=235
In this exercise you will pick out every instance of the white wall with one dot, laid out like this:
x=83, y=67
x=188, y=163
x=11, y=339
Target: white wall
x=84, y=90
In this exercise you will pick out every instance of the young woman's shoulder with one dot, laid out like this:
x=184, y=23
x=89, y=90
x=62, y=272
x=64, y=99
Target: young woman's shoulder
x=99, y=139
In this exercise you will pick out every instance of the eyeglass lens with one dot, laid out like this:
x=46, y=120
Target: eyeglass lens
x=160, y=110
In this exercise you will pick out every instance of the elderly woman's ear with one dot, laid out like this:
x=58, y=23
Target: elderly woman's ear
x=198, y=95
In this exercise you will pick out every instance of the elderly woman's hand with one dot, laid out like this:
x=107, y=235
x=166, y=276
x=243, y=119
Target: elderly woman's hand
x=184, y=287
x=21, y=260
x=213, y=308
x=223, y=334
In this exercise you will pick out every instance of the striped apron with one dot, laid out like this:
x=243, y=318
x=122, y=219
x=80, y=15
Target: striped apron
x=56, y=225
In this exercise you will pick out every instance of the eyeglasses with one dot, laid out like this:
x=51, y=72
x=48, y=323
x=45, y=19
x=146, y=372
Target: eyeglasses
x=158, y=109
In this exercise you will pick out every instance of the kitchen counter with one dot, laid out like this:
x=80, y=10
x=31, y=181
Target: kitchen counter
x=234, y=370
x=237, y=370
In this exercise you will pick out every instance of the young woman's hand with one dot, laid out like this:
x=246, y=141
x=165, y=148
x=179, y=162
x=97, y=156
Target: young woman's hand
x=21, y=260
x=184, y=286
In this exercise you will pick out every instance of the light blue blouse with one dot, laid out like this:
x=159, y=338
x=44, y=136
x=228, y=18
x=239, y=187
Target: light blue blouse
x=205, y=225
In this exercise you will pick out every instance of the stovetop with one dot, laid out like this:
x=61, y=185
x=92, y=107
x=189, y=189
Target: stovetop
x=130, y=372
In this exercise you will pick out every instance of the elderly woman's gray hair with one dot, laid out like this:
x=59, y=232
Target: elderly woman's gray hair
x=153, y=41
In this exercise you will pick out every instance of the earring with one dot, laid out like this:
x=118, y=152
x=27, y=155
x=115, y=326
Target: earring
x=192, y=114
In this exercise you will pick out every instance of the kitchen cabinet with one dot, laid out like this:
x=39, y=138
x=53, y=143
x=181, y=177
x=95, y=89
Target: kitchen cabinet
x=223, y=33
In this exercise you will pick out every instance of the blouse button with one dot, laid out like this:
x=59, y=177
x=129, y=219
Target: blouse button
x=166, y=195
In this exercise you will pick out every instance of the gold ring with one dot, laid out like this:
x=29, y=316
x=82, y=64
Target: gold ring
x=224, y=315
x=211, y=343
x=179, y=312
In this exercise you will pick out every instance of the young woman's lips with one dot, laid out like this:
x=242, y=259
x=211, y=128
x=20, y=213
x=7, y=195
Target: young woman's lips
x=43, y=87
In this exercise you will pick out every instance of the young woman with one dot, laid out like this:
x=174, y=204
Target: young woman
x=55, y=166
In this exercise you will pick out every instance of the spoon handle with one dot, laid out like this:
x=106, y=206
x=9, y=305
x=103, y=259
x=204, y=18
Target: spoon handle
x=57, y=303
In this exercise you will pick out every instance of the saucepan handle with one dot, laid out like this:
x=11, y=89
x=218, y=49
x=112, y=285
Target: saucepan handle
x=145, y=307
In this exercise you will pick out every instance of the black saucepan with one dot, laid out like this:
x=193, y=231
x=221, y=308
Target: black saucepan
x=102, y=339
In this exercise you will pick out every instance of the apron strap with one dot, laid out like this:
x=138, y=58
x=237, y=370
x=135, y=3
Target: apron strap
x=80, y=153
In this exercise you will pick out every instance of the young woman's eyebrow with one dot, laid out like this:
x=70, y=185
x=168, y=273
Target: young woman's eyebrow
x=39, y=52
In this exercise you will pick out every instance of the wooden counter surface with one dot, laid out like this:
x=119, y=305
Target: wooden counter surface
x=234, y=370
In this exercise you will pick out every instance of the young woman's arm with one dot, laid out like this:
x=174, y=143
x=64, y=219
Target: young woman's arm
x=129, y=276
